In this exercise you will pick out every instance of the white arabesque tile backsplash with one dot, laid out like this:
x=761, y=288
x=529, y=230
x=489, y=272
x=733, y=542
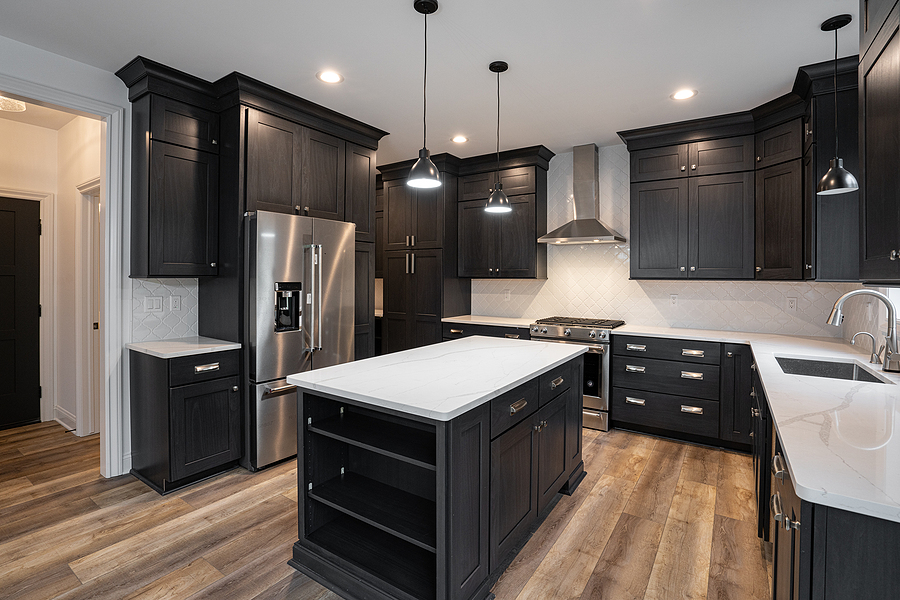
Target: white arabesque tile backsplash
x=593, y=280
x=168, y=324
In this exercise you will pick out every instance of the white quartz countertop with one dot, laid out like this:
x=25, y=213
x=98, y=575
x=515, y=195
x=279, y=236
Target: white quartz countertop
x=186, y=346
x=440, y=381
x=840, y=437
x=484, y=320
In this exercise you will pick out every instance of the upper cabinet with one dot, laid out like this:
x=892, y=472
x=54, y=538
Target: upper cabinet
x=709, y=157
x=879, y=137
x=779, y=144
x=274, y=163
x=183, y=124
x=360, y=201
x=873, y=14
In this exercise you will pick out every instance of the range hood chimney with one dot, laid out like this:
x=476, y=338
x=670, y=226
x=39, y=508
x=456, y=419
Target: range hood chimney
x=586, y=228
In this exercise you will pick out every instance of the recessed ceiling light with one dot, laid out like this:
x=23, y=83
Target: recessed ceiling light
x=329, y=76
x=460, y=139
x=684, y=94
x=11, y=105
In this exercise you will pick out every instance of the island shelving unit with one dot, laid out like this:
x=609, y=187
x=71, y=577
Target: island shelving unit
x=421, y=472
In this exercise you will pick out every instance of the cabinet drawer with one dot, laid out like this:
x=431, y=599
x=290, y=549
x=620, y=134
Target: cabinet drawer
x=681, y=350
x=178, y=123
x=458, y=330
x=203, y=367
x=557, y=380
x=663, y=411
x=666, y=376
x=513, y=406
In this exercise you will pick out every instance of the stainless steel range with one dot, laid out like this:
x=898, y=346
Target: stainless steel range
x=593, y=333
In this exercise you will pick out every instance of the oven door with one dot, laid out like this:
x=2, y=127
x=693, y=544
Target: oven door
x=595, y=384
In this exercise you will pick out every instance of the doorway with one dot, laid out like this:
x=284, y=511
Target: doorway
x=89, y=394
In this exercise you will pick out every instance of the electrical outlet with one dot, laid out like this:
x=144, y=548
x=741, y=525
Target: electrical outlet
x=506, y=295
x=673, y=299
x=153, y=304
x=174, y=302
x=791, y=305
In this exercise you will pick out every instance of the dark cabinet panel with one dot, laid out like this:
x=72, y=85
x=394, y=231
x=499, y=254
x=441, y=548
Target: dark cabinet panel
x=479, y=239
x=665, y=412
x=809, y=214
x=872, y=16
x=399, y=200
x=659, y=163
x=413, y=300
x=659, y=229
x=183, y=124
x=500, y=245
x=183, y=214
x=552, y=451
x=735, y=400
x=364, y=302
x=762, y=454
x=274, y=163
x=574, y=423
x=725, y=155
x=515, y=182
x=205, y=426
x=518, y=247
x=779, y=221
x=721, y=226
x=398, y=310
x=324, y=167
x=476, y=187
x=779, y=144
x=428, y=218
x=359, y=206
x=379, y=244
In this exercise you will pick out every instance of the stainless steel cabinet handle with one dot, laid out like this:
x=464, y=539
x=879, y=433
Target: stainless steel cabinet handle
x=777, y=510
x=407, y=241
x=634, y=369
x=556, y=383
x=638, y=401
x=234, y=388
x=280, y=388
x=512, y=336
x=517, y=406
x=683, y=168
x=456, y=331
x=778, y=467
x=412, y=239
x=694, y=410
x=809, y=267
x=407, y=264
x=636, y=347
x=206, y=368
x=754, y=412
x=414, y=263
x=212, y=265
x=695, y=353
x=691, y=375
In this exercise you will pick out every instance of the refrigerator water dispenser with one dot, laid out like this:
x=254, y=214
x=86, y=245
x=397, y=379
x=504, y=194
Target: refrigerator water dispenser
x=287, y=306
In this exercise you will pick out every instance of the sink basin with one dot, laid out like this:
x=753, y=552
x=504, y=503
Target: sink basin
x=852, y=371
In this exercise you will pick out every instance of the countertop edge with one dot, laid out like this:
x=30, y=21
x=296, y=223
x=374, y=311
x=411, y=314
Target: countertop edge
x=192, y=346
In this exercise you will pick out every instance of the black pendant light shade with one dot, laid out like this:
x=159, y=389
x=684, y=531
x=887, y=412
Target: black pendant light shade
x=424, y=173
x=497, y=201
x=837, y=180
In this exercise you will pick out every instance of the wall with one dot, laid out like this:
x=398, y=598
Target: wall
x=28, y=156
x=169, y=323
x=592, y=280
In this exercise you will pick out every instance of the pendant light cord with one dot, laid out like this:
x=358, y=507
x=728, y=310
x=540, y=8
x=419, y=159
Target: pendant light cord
x=498, y=125
x=836, y=154
x=424, y=89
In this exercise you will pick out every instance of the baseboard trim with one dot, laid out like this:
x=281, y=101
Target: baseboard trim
x=64, y=417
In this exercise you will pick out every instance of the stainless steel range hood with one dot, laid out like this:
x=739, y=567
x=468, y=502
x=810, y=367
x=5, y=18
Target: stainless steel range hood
x=586, y=228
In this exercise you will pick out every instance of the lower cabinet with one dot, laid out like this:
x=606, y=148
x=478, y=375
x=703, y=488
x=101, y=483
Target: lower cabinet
x=185, y=417
x=735, y=418
x=413, y=302
x=762, y=454
x=452, y=331
x=364, y=303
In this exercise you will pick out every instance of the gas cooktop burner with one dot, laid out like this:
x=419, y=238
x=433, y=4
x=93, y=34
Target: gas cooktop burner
x=600, y=323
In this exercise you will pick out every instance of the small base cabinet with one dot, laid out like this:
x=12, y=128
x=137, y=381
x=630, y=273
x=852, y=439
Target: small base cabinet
x=394, y=506
x=185, y=417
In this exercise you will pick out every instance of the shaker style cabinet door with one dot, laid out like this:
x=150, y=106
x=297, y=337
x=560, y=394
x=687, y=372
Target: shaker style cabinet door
x=360, y=202
x=183, y=124
x=399, y=200
x=659, y=229
x=274, y=166
x=669, y=162
x=779, y=221
x=479, y=238
x=324, y=164
x=721, y=227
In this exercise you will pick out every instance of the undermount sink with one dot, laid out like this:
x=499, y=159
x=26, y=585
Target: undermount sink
x=849, y=370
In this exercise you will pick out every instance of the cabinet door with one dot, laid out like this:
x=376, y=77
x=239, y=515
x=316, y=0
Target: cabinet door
x=427, y=277
x=808, y=122
x=184, y=208
x=727, y=155
x=513, y=487
x=359, y=205
x=761, y=455
x=476, y=187
x=274, y=150
x=721, y=227
x=398, y=223
x=879, y=95
x=364, y=302
x=736, y=422
x=518, y=240
x=428, y=217
x=809, y=213
x=552, y=450
x=379, y=245
x=397, y=320
x=324, y=166
x=659, y=163
x=873, y=15
x=205, y=425
x=659, y=230
x=183, y=124
x=779, y=144
x=479, y=236
x=779, y=221
x=574, y=423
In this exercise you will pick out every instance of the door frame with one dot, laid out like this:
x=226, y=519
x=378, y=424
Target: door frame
x=115, y=139
x=47, y=294
x=84, y=285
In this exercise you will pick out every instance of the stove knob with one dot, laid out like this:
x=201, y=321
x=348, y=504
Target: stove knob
x=592, y=334
x=567, y=332
x=543, y=330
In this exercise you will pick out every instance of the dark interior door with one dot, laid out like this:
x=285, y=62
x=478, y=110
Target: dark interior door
x=19, y=312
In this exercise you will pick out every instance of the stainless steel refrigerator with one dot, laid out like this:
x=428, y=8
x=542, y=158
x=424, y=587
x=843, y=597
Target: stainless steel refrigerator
x=300, y=316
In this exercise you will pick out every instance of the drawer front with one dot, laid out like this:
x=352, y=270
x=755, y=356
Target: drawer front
x=665, y=376
x=559, y=379
x=203, y=367
x=663, y=411
x=458, y=330
x=513, y=406
x=708, y=353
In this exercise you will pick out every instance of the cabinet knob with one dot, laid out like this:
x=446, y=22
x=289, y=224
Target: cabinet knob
x=693, y=167
x=693, y=269
x=758, y=159
x=681, y=269
x=729, y=354
x=809, y=267
x=683, y=168
x=214, y=142
x=234, y=389
x=895, y=254
x=758, y=269
x=212, y=264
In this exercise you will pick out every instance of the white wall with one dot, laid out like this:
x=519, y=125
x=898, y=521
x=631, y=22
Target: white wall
x=592, y=280
x=28, y=156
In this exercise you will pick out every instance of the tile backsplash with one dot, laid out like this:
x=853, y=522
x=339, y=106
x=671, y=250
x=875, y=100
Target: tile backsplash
x=167, y=324
x=592, y=280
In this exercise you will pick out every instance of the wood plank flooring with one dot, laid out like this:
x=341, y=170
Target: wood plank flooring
x=653, y=519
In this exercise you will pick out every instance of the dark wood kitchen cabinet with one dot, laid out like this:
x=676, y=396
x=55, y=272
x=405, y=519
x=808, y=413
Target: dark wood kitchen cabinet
x=324, y=170
x=364, y=301
x=736, y=401
x=415, y=218
x=360, y=200
x=779, y=221
x=707, y=157
x=412, y=299
x=274, y=163
x=873, y=14
x=779, y=144
x=762, y=453
x=185, y=417
x=879, y=137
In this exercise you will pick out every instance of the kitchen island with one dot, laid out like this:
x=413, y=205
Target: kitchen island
x=421, y=472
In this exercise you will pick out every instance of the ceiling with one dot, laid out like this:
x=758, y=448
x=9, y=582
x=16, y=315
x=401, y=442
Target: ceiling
x=580, y=70
x=40, y=116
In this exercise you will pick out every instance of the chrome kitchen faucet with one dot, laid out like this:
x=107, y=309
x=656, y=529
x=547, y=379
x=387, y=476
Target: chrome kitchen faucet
x=891, y=357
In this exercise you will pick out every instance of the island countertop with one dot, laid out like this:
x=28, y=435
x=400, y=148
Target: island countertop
x=440, y=381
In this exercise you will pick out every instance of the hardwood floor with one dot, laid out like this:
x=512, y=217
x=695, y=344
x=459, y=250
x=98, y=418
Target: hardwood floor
x=652, y=519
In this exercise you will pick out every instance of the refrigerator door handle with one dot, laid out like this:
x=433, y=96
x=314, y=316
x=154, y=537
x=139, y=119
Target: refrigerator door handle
x=311, y=295
x=320, y=308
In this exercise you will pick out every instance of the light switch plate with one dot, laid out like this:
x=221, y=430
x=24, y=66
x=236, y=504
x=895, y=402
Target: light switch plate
x=153, y=304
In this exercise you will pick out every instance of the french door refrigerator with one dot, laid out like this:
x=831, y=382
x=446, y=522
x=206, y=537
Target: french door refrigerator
x=299, y=316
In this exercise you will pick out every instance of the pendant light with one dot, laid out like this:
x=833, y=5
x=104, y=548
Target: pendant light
x=424, y=174
x=497, y=201
x=837, y=180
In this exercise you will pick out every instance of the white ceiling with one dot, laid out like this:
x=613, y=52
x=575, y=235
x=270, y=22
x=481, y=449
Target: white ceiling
x=580, y=70
x=41, y=116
